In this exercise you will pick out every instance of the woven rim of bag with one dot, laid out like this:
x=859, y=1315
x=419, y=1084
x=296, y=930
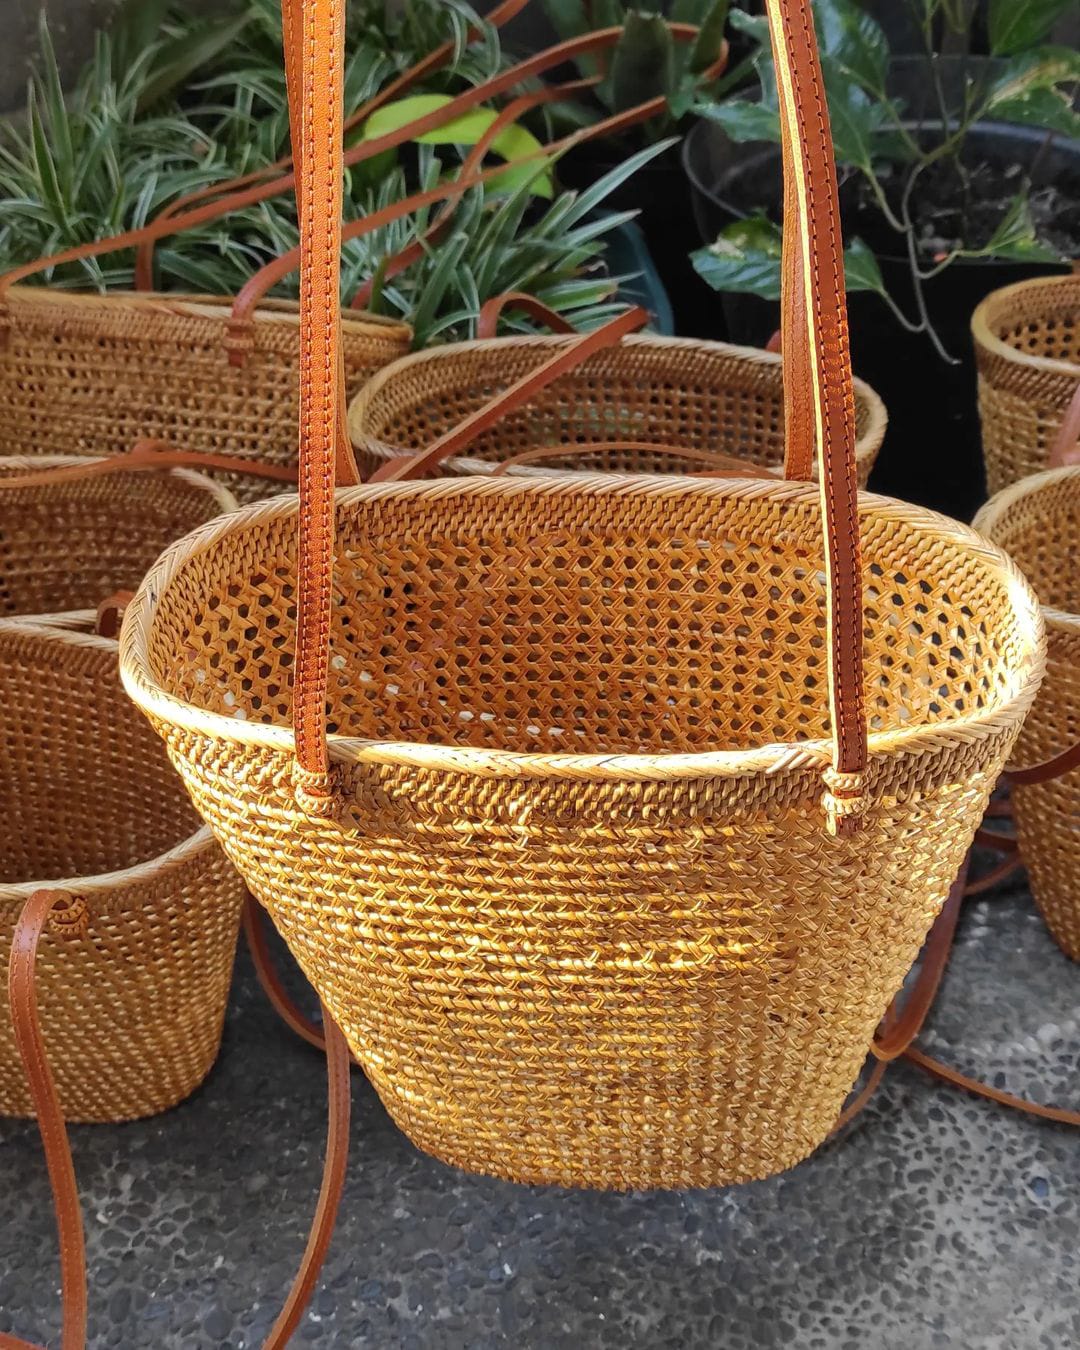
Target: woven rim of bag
x=141, y=684
x=993, y=521
x=405, y=367
x=14, y=894
x=190, y=305
x=1000, y=306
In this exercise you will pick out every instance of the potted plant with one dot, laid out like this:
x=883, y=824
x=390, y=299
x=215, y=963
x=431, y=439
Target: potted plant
x=960, y=174
x=647, y=62
x=170, y=103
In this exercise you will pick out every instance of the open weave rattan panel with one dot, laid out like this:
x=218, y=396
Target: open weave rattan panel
x=132, y=1008
x=669, y=391
x=1039, y=524
x=67, y=546
x=604, y=976
x=1027, y=344
x=91, y=375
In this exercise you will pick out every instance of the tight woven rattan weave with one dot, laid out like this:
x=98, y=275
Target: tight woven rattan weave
x=67, y=546
x=613, y=810
x=1038, y=522
x=707, y=396
x=92, y=375
x=580, y=920
x=1027, y=345
x=132, y=1000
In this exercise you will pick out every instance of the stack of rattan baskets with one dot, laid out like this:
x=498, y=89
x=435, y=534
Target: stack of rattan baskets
x=131, y=996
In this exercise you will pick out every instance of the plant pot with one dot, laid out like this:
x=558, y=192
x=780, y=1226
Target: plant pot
x=628, y=256
x=932, y=452
x=661, y=194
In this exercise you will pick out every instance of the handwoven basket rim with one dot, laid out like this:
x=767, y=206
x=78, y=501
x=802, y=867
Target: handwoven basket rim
x=991, y=514
x=985, y=337
x=479, y=761
x=271, y=309
x=31, y=463
x=176, y=856
x=866, y=447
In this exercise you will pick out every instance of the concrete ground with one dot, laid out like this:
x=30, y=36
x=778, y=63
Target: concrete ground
x=937, y=1221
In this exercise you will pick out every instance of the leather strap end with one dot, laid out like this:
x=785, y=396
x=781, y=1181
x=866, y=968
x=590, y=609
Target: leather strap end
x=317, y=792
x=845, y=802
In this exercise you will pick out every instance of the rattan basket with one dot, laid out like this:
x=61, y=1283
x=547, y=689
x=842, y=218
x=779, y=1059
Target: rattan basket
x=1038, y=522
x=708, y=396
x=92, y=374
x=1027, y=346
x=70, y=545
x=606, y=814
x=132, y=1001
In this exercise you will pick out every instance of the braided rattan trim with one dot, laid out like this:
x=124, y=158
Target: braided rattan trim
x=148, y=693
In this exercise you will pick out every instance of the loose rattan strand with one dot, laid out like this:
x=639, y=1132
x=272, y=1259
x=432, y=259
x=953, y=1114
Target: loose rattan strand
x=132, y=1001
x=1038, y=522
x=709, y=396
x=1027, y=345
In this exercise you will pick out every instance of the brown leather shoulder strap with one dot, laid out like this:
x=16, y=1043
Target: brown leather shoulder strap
x=69, y=915
x=487, y=325
x=148, y=455
x=270, y=982
x=22, y=993
x=565, y=359
x=1066, y=444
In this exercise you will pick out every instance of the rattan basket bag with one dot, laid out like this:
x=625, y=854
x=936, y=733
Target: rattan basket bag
x=1027, y=346
x=1038, y=522
x=132, y=994
x=71, y=544
x=705, y=396
x=606, y=814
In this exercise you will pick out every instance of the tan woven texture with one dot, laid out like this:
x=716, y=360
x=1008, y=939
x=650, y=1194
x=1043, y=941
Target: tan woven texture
x=67, y=546
x=580, y=918
x=1038, y=522
x=131, y=1006
x=91, y=375
x=1027, y=345
x=671, y=391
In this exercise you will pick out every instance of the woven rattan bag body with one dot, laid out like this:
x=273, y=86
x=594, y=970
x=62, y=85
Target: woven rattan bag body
x=707, y=396
x=606, y=814
x=1027, y=346
x=1038, y=522
x=132, y=990
x=94, y=374
x=70, y=545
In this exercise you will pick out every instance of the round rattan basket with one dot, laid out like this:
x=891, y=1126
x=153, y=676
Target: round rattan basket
x=708, y=396
x=70, y=545
x=94, y=374
x=1038, y=522
x=132, y=1000
x=1027, y=346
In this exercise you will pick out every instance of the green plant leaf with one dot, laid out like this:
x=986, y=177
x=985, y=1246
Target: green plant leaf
x=746, y=259
x=709, y=42
x=861, y=270
x=1048, y=108
x=643, y=63
x=690, y=11
x=755, y=26
x=1016, y=25
x=1015, y=236
x=569, y=18
x=513, y=143
x=1042, y=68
x=55, y=110
x=51, y=194
x=743, y=121
x=856, y=117
x=855, y=41
x=181, y=57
